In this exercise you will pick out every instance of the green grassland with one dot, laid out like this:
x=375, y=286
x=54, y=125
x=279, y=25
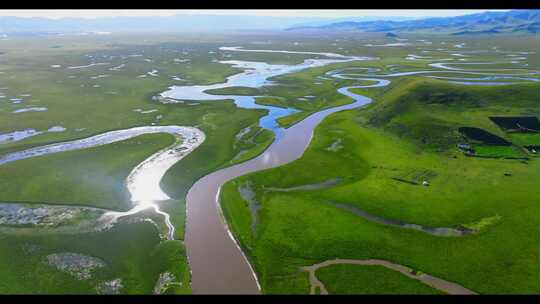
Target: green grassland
x=355, y=279
x=96, y=176
x=411, y=126
x=97, y=111
x=131, y=252
x=91, y=177
x=525, y=139
x=498, y=151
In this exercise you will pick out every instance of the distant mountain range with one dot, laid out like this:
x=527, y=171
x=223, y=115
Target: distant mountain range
x=177, y=23
x=515, y=21
x=327, y=21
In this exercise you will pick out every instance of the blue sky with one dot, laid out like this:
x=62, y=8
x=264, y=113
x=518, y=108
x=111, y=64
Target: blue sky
x=55, y=14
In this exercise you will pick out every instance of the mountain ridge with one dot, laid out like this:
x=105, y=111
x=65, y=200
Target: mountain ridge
x=514, y=21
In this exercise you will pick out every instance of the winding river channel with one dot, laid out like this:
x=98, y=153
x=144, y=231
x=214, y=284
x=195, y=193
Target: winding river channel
x=217, y=263
x=143, y=181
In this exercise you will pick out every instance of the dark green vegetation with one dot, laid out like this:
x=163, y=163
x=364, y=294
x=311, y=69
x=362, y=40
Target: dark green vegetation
x=525, y=124
x=479, y=135
x=411, y=130
x=522, y=130
x=439, y=118
x=360, y=279
x=485, y=144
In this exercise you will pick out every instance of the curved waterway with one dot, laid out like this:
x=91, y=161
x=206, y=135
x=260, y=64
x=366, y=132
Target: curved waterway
x=217, y=263
x=434, y=282
x=254, y=75
x=143, y=181
x=488, y=74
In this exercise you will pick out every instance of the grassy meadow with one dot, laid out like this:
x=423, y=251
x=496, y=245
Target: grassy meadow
x=410, y=132
x=409, y=129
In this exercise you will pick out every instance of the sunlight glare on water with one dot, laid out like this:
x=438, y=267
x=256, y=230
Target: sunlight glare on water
x=145, y=187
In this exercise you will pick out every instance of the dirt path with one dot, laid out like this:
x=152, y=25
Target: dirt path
x=437, y=283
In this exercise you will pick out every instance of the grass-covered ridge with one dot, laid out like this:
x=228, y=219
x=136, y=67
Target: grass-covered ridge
x=431, y=113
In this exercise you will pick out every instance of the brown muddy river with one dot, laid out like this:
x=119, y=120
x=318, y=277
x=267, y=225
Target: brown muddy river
x=217, y=263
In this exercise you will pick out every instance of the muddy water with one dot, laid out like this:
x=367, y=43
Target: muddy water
x=437, y=283
x=217, y=263
x=438, y=231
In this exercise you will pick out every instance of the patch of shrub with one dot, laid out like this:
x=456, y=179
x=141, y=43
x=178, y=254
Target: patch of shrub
x=483, y=136
x=526, y=124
